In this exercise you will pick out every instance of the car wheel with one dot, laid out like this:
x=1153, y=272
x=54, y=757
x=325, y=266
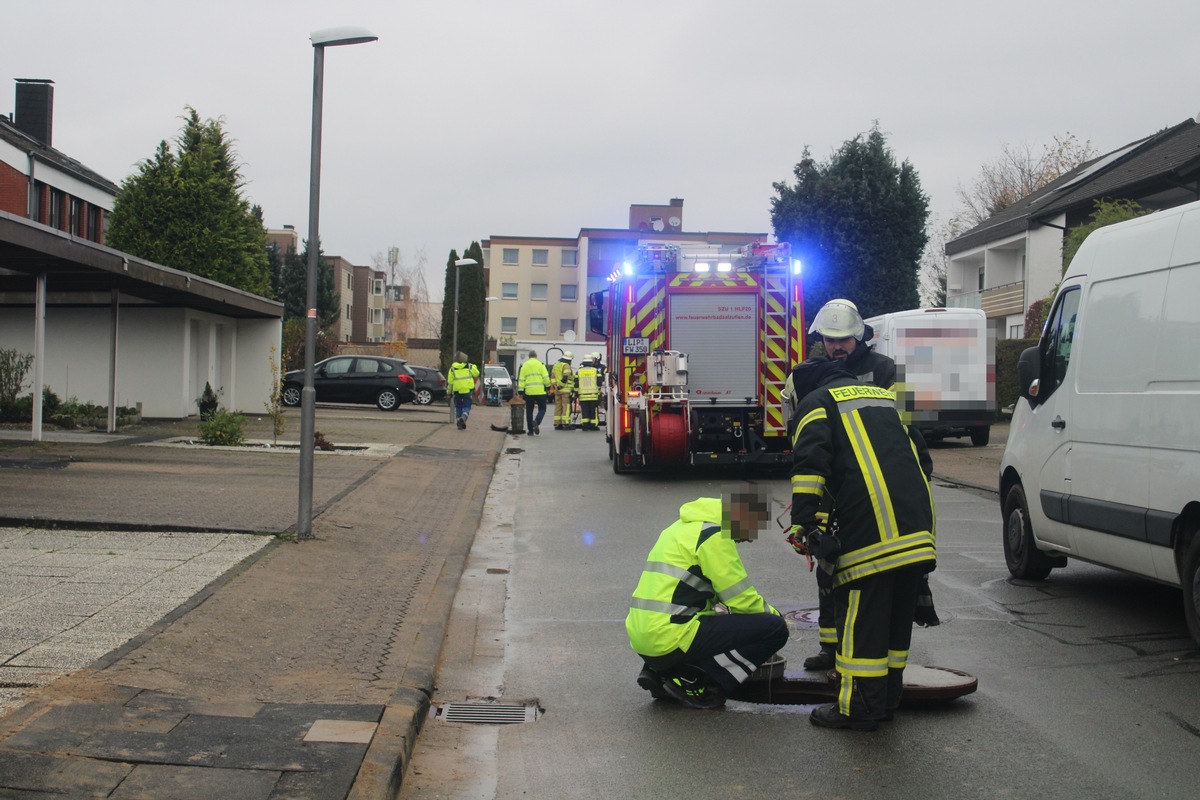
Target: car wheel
x=1021, y=555
x=980, y=436
x=291, y=394
x=387, y=400
x=1189, y=579
x=424, y=397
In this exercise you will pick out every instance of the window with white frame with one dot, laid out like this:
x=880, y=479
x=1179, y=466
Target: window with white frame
x=508, y=291
x=377, y=316
x=538, y=291
x=568, y=291
x=378, y=287
x=537, y=326
x=508, y=324
x=565, y=325
x=570, y=258
x=510, y=256
x=541, y=257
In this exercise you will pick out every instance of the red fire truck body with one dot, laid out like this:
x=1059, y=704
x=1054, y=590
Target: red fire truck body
x=700, y=344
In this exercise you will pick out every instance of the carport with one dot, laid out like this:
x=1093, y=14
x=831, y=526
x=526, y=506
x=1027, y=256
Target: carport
x=182, y=325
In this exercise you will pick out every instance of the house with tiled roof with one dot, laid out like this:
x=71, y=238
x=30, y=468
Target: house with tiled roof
x=1014, y=258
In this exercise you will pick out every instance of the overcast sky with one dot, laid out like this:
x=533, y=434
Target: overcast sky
x=538, y=117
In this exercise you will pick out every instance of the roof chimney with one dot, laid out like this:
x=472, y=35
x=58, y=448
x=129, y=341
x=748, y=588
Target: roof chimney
x=34, y=112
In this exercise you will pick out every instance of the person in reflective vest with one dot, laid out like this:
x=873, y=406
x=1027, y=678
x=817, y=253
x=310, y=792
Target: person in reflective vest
x=850, y=443
x=588, y=381
x=562, y=384
x=532, y=382
x=692, y=653
x=462, y=378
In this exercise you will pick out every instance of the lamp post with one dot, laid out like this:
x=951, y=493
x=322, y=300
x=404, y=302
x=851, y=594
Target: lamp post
x=487, y=307
x=330, y=37
x=458, y=265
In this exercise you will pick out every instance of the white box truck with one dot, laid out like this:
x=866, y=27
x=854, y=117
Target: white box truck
x=945, y=369
x=1103, y=456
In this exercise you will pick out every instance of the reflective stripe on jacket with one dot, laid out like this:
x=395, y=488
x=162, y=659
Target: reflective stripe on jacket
x=849, y=441
x=533, y=378
x=693, y=566
x=462, y=377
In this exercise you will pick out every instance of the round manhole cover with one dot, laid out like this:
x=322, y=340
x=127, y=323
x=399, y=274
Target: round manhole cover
x=803, y=618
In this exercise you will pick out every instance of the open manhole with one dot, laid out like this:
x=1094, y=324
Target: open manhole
x=922, y=686
x=488, y=713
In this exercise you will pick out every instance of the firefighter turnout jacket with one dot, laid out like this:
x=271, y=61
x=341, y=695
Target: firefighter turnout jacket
x=562, y=377
x=693, y=566
x=587, y=382
x=849, y=442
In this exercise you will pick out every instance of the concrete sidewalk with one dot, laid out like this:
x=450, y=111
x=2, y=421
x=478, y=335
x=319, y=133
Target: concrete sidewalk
x=305, y=671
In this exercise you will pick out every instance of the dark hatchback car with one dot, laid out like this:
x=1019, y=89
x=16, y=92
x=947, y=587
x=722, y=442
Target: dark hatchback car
x=386, y=382
x=431, y=384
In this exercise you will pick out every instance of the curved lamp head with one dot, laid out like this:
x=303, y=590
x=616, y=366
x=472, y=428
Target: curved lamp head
x=465, y=262
x=332, y=37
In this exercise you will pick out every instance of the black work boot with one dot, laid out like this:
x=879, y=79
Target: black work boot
x=829, y=717
x=822, y=661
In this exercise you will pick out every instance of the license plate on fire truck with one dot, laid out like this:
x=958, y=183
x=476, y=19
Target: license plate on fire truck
x=636, y=346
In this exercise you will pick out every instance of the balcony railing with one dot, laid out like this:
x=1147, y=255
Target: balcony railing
x=1001, y=301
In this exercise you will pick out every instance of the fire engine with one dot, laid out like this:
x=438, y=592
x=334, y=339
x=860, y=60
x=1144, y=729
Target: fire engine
x=700, y=343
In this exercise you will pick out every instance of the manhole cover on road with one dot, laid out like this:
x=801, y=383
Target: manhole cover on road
x=488, y=713
x=803, y=618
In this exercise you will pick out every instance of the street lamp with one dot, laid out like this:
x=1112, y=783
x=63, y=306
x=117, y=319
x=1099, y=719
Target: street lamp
x=458, y=265
x=330, y=37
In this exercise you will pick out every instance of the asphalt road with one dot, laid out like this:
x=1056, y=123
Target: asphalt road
x=1087, y=682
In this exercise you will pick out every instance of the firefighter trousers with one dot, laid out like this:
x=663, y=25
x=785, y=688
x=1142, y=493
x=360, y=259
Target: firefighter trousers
x=562, y=408
x=874, y=623
x=826, y=615
x=727, y=648
x=588, y=417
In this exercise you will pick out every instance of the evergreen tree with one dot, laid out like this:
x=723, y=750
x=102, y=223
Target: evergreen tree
x=857, y=223
x=184, y=209
x=471, y=291
x=294, y=288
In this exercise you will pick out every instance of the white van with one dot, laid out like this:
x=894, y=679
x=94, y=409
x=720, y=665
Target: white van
x=1103, y=456
x=945, y=369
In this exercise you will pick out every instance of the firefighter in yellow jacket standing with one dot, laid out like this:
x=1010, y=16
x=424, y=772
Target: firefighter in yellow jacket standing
x=692, y=653
x=587, y=381
x=562, y=384
x=849, y=442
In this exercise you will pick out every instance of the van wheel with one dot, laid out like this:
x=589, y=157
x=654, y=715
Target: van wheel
x=1189, y=579
x=980, y=436
x=1021, y=555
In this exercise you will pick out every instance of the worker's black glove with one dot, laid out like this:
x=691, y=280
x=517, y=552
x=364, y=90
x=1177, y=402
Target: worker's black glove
x=823, y=546
x=925, y=615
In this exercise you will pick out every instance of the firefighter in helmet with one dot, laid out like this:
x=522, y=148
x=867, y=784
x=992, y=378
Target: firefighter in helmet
x=850, y=445
x=587, y=381
x=844, y=335
x=562, y=384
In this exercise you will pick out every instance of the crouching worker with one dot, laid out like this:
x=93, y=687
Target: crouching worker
x=692, y=653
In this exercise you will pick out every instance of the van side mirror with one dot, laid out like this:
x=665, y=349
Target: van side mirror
x=1028, y=377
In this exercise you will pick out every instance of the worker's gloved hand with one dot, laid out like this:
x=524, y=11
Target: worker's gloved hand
x=798, y=539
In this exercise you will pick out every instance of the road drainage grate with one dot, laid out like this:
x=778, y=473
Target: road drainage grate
x=488, y=713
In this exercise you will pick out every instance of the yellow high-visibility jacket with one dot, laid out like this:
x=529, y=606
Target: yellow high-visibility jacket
x=693, y=566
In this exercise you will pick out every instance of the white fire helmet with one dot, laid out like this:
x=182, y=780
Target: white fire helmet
x=568, y=355
x=596, y=357
x=838, y=319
